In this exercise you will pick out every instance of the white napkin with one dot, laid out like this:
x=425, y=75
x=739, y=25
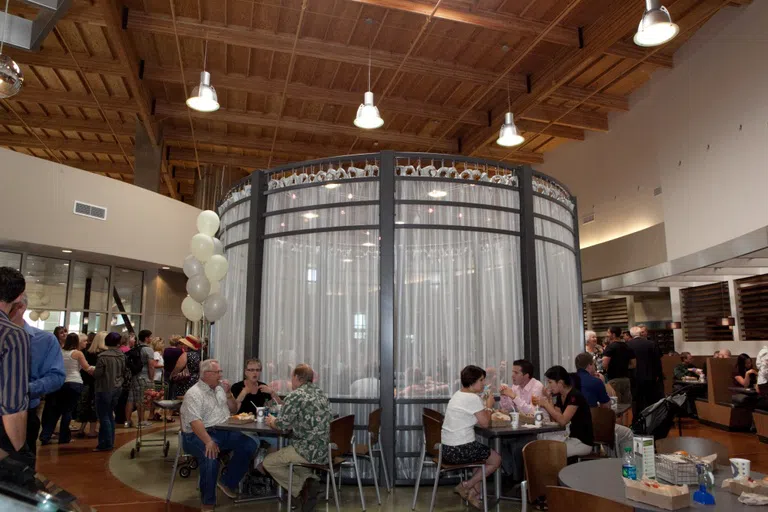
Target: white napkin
x=748, y=498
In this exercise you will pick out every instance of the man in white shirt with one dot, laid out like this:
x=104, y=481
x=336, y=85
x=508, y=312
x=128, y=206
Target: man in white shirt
x=207, y=404
x=524, y=386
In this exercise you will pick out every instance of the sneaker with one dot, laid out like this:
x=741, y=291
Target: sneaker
x=226, y=490
x=146, y=424
x=128, y=424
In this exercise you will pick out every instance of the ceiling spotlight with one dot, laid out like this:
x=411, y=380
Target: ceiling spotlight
x=66, y=251
x=310, y=215
x=508, y=135
x=204, y=97
x=656, y=27
x=368, y=116
x=331, y=186
x=437, y=193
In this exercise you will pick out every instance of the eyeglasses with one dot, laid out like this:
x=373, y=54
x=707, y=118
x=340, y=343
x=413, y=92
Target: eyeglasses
x=214, y=371
x=253, y=369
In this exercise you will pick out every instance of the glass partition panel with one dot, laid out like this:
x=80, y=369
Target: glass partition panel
x=10, y=259
x=46, y=282
x=86, y=322
x=339, y=192
x=47, y=322
x=458, y=191
x=323, y=218
x=554, y=231
x=118, y=323
x=129, y=285
x=552, y=209
x=90, y=287
x=456, y=216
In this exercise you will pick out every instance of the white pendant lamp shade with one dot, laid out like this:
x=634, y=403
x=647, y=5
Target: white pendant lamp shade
x=204, y=98
x=656, y=27
x=367, y=114
x=508, y=135
x=11, y=78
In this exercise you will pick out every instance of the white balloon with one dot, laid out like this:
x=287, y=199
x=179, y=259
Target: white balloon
x=216, y=268
x=218, y=247
x=208, y=222
x=44, y=315
x=215, y=287
x=198, y=287
x=201, y=247
x=45, y=300
x=215, y=307
x=192, y=309
x=34, y=316
x=192, y=266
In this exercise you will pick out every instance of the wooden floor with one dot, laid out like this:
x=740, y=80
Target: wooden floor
x=86, y=474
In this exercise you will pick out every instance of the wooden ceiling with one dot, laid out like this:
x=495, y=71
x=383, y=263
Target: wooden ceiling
x=291, y=73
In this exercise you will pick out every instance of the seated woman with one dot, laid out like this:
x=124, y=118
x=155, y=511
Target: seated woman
x=464, y=411
x=744, y=375
x=250, y=392
x=570, y=406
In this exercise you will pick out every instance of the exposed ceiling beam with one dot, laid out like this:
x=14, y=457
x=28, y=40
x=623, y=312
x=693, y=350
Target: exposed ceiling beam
x=593, y=121
x=111, y=168
x=59, y=60
x=308, y=126
x=59, y=123
x=62, y=144
x=188, y=155
x=631, y=51
x=338, y=52
x=68, y=99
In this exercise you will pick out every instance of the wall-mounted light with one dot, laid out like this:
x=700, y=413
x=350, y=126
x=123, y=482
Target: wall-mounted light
x=675, y=325
x=727, y=321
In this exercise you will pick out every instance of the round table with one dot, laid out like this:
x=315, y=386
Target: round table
x=603, y=478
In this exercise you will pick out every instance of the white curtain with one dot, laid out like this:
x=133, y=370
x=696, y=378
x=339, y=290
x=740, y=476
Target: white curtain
x=458, y=299
x=228, y=334
x=558, y=288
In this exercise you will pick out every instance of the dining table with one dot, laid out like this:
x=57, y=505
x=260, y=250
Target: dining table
x=603, y=478
x=497, y=434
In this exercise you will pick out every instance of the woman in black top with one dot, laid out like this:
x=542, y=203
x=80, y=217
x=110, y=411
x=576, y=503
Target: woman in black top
x=250, y=392
x=570, y=407
x=744, y=375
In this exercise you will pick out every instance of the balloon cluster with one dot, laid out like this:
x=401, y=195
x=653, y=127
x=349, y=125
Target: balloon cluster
x=39, y=315
x=205, y=268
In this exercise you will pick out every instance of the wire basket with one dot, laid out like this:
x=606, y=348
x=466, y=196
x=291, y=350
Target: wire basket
x=678, y=470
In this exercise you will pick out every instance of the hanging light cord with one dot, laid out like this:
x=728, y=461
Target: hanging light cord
x=205, y=54
x=370, y=49
x=509, y=102
x=5, y=25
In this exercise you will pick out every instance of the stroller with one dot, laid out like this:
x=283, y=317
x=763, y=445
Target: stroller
x=656, y=420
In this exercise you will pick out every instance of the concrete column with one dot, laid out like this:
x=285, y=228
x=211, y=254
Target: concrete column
x=148, y=163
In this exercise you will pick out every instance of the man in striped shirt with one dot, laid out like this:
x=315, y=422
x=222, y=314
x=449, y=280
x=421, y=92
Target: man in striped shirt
x=14, y=370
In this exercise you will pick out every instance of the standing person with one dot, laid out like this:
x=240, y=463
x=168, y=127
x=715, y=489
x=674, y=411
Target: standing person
x=108, y=384
x=307, y=413
x=648, y=374
x=618, y=358
x=127, y=342
x=141, y=361
x=171, y=356
x=465, y=410
x=86, y=407
x=187, y=370
x=61, y=334
x=614, y=333
x=157, y=346
x=626, y=336
x=46, y=374
x=594, y=348
x=14, y=382
x=65, y=400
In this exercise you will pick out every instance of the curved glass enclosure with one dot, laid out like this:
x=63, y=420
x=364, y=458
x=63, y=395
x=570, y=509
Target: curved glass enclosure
x=389, y=272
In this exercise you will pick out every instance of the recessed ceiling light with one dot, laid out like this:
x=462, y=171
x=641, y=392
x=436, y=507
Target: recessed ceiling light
x=437, y=193
x=166, y=268
x=331, y=186
x=66, y=251
x=310, y=215
x=369, y=244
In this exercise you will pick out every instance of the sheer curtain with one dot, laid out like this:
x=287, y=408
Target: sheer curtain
x=228, y=334
x=458, y=299
x=558, y=287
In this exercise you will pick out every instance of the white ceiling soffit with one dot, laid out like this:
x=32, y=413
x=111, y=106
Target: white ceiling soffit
x=743, y=256
x=28, y=34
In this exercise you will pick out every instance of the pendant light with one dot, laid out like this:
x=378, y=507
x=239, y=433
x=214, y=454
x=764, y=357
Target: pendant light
x=656, y=27
x=204, y=98
x=368, y=116
x=508, y=135
x=11, y=78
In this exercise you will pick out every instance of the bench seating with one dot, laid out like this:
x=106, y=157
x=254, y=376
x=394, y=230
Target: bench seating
x=761, y=423
x=718, y=410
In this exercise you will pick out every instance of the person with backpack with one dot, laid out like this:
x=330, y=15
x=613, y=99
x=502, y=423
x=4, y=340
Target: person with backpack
x=140, y=361
x=108, y=382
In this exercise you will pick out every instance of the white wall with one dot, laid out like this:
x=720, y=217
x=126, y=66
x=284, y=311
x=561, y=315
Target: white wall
x=37, y=198
x=719, y=83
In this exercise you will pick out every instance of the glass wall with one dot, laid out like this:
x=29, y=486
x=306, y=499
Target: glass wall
x=81, y=296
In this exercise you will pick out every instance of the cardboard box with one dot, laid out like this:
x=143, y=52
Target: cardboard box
x=658, y=500
x=737, y=487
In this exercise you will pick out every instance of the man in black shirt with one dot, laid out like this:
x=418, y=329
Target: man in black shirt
x=618, y=358
x=648, y=375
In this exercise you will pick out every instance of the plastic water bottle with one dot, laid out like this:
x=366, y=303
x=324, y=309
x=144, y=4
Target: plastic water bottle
x=628, y=468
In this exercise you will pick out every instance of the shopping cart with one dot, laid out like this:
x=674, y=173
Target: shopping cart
x=163, y=405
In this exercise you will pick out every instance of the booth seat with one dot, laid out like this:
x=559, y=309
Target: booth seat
x=718, y=410
x=760, y=418
x=668, y=364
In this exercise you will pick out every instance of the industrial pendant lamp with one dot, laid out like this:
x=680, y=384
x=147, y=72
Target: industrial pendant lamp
x=204, y=98
x=11, y=78
x=656, y=27
x=368, y=116
x=508, y=135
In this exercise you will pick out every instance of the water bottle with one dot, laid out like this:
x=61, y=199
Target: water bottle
x=628, y=468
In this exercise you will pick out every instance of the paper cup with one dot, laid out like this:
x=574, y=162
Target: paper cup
x=515, y=419
x=614, y=402
x=740, y=468
x=261, y=412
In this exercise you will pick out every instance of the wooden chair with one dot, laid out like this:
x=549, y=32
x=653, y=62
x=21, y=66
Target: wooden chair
x=543, y=461
x=340, y=445
x=434, y=414
x=698, y=446
x=565, y=499
x=604, y=429
x=373, y=450
x=433, y=448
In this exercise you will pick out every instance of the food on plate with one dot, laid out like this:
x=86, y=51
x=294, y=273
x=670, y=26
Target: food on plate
x=245, y=416
x=500, y=416
x=682, y=452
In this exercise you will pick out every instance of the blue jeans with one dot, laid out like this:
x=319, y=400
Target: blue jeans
x=63, y=403
x=242, y=448
x=106, y=401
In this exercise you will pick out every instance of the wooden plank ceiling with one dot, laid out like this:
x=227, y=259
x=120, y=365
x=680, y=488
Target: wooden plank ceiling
x=291, y=73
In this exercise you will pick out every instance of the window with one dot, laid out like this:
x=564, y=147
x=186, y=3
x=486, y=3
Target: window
x=90, y=287
x=312, y=275
x=360, y=326
x=86, y=322
x=46, y=283
x=120, y=323
x=128, y=288
x=44, y=320
x=704, y=308
x=752, y=298
x=607, y=313
x=10, y=259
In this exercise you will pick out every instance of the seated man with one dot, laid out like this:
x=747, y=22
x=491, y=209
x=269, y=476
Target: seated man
x=595, y=393
x=207, y=404
x=524, y=386
x=307, y=413
x=686, y=368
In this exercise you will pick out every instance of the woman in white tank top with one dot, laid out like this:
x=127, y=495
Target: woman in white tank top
x=62, y=403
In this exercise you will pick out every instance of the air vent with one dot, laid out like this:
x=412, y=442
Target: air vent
x=657, y=191
x=90, y=210
x=589, y=218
